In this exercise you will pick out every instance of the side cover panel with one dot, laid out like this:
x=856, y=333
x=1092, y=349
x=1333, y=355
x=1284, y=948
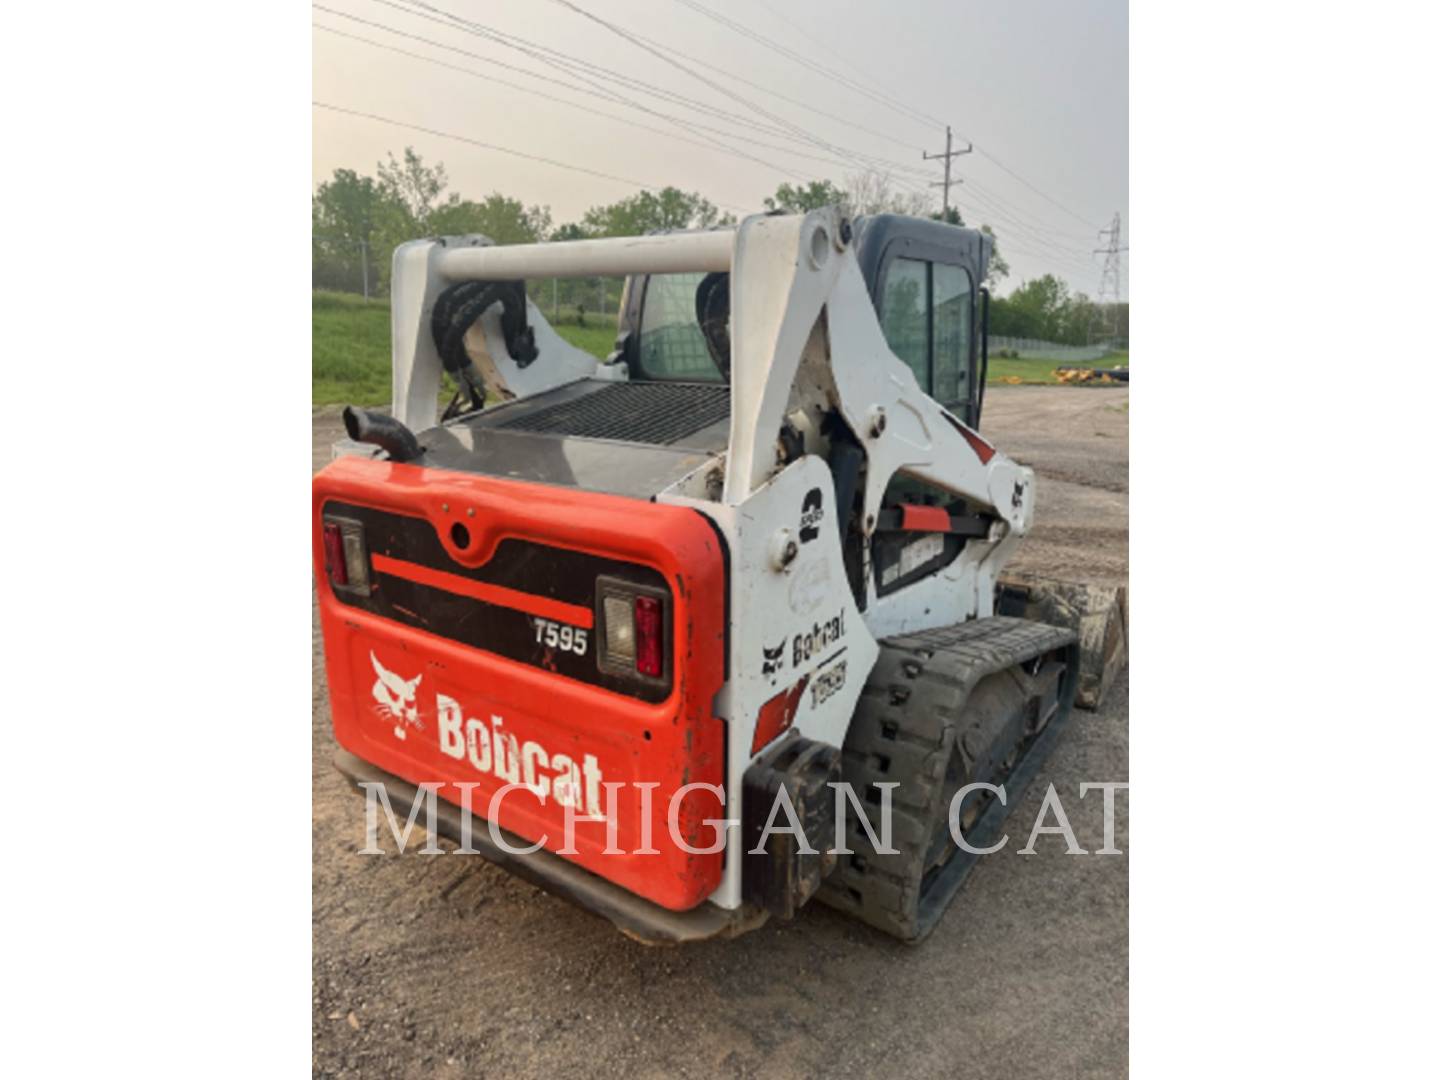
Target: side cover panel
x=471, y=702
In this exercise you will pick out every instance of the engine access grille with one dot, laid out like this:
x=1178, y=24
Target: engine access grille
x=656, y=413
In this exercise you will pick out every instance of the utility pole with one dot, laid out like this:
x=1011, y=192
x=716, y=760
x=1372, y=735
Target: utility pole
x=1110, y=272
x=947, y=155
x=365, y=269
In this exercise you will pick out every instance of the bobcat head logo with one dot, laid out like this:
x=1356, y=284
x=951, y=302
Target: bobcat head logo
x=395, y=698
x=774, y=658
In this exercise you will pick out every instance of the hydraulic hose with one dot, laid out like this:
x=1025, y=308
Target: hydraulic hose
x=458, y=308
x=383, y=431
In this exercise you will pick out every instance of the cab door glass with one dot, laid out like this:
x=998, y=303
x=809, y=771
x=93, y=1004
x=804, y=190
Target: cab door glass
x=672, y=345
x=904, y=315
x=953, y=328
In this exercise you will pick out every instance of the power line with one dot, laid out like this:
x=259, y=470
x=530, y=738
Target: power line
x=710, y=144
x=994, y=214
x=812, y=39
x=1022, y=236
x=1077, y=241
x=1067, y=264
x=668, y=55
x=804, y=61
x=580, y=68
x=620, y=31
x=847, y=121
x=1017, y=241
x=882, y=98
x=706, y=145
x=714, y=145
x=572, y=65
x=1001, y=165
x=589, y=89
x=503, y=150
x=1051, y=251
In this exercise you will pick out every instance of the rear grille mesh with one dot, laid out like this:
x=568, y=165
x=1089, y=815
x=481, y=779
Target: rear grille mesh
x=655, y=413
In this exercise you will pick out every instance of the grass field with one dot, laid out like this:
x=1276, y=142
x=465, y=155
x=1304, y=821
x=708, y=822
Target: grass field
x=350, y=351
x=597, y=336
x=1032, y=372
x=350, y=348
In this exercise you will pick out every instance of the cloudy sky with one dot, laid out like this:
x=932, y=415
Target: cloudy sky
x=780, y=90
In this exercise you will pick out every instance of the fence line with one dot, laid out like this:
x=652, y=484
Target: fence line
x=1031, y=349
x=568, y=298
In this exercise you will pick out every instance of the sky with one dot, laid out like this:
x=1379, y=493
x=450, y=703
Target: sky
x=1039, y=87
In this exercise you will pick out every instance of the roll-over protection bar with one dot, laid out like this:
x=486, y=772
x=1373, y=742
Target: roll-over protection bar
x=672, y=253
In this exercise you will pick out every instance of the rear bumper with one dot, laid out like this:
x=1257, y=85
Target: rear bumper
x=632, y=915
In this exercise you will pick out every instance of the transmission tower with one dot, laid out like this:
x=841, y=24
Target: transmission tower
x=1110, y=273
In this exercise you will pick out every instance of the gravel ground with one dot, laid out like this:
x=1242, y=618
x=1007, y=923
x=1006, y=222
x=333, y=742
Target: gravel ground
x=445, y=966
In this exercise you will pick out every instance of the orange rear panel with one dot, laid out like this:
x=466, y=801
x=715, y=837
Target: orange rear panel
x=463, y=664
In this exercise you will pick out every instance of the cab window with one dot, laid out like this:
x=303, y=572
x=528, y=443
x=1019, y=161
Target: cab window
x=952, y=315
x=927, y=316
x=904, y=315
x=672, y=345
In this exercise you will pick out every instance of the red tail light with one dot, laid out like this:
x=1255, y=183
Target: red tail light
x=335, y=554
x=347, y=560
x=649, y=637
x=633, y=629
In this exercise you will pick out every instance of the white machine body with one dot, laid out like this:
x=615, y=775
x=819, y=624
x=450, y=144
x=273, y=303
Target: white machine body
x=805, y=341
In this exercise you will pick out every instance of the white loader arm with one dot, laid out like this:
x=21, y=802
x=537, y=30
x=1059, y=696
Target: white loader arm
x=789, y=272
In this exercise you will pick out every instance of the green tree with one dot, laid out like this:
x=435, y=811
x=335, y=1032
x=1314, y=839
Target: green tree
x=416, y=187
x=1037, y=309
x=998, y=267
x=1047, y=301
x=797, y=199
x=504, y=220
x=415, y=195
x=873, y=192
x=349, y=216
x=346, y=208
x=653, y=211
x=1080, y=322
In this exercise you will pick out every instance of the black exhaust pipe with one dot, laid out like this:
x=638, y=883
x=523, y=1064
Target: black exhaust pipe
x=383, y=431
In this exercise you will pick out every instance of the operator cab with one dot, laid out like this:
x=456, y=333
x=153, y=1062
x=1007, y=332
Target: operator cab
x=924, y=278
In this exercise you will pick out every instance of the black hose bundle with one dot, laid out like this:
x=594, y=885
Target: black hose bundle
x=456, y=310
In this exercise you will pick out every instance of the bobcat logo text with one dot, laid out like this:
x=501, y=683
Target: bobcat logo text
x=820, y=637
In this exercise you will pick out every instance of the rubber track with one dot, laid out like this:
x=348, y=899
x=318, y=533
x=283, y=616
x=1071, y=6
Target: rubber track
x=908, y=720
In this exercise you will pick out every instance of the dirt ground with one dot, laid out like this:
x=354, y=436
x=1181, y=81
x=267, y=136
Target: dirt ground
x=445, y=966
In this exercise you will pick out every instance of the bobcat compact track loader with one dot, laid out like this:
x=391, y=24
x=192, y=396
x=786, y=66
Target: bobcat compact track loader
x=749, y=556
